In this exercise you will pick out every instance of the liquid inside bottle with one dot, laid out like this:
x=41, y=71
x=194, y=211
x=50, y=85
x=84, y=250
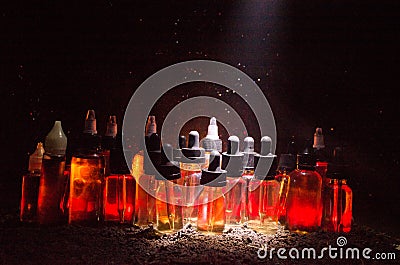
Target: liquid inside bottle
x=190, y=174
x=211, y=213
x=233, y=199
x=29, y=199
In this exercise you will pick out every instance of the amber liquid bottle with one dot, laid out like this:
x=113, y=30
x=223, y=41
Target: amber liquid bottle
x=191, y=163
x=30, y=186
x=169, y=209
x=304, y=201
x=87, y=177
x=232, y=162
x=51, y=189
x=211, y=211
x=119, y=188
x=249, y=207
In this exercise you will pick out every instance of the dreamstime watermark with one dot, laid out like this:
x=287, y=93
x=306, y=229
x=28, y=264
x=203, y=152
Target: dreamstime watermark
x=330, y=252
x=154, y=87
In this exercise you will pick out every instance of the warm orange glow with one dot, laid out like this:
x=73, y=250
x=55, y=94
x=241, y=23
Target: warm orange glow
x=211, y=211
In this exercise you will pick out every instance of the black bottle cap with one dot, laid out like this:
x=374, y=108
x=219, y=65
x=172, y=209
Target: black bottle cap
x=287, y=162
x=248, y=153
x=167, y=169
x=154, y=153
x=263, y=160
x=214, y=176
x=193, y=154
x=337, y=168
x=306, y=159
x=232, y=159
x=118, y=163
x=178, y=151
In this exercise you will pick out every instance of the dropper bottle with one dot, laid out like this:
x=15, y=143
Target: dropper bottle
x=52, y=180
x=145, y=202
x=30, y=186
x=119, y=188
x=211, y=141
x=304, y=200
x=109, y=141
x=248, y=174
x=87, y=177
x=232, y=161
x=286, y=164
x=321, y=165
x=191, y=163
x=264, y=190
x=211, y=213
x=168, y=193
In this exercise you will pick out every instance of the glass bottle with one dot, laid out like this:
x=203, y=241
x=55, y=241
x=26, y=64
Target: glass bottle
x=51, y=189
x=338, y=198
x=211, y=211
x=191, y=164
x=168, y=194
x=119, y=188
x=248, y=210
x=321, y=164
x=232, y=162
x=30, y=186
x=304, y=202
x=87, y=177
x=109, y=141
x=286, y=164
x=211, y=141
x=264, y=189
x=145, y=202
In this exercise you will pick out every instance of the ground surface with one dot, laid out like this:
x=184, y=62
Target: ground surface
x=115, y=244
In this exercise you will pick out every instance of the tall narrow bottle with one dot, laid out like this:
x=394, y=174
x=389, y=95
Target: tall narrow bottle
x=248, y=210
x=211, y=141
x=169, y=209
x=286, y=164
x=191, y=164
x=264, y=190
x=145, y=202
x=109, y=141
x=211, y=212
x=119, y=188
x=304, y=203
x=338, y=197
x=232, y=161
x=321, y=164
x=51, y=189
x=30, y=186
x=87, y=177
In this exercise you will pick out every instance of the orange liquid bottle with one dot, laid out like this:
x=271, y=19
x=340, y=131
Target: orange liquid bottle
x=249, y=209
x=52, y=180
x=304, y=201
x=211, y=212
x=232, y=162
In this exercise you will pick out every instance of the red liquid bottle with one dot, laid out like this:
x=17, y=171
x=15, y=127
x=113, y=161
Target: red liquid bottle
x=52, y=180
x=30, y=186
x=304, y=202
x=232, y=161
x=338, y=197
x=211, y=212
x=264, y=190
x=119, y=188
x=191, y=164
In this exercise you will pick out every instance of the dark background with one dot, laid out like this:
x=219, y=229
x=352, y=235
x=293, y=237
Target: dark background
x=330, y=64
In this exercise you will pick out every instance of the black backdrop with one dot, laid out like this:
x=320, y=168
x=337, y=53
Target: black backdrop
x=328, y=64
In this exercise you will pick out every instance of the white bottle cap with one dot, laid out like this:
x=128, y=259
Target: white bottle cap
x=35, y=159
x=212, y=132
x=90, y=122
x=318, y=139
x=151, y=125
x=112, y=126
x=56, y=141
